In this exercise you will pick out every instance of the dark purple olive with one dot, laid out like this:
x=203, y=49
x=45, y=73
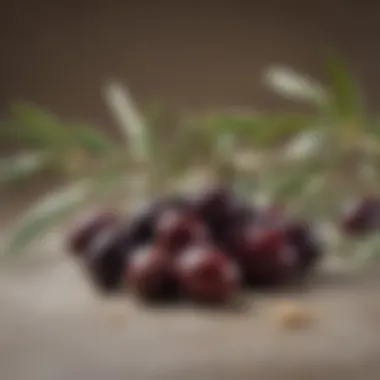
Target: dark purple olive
x=140, y=228
x=176, y=228
x=307, y=245
x=206, y=275
x=362, y=216
x=223, y=212
x=264, y=255
x=213, y=204
x=225, y=231
x=150, y=275
x=299, y=234
x=88, y=226
x=105, y=261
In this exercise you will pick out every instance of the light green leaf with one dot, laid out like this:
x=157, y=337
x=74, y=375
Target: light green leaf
x=346, y=99
x=293, y=85
x=93, y=140
x=45, y=213
x=22, y=166
x=223, y=157
x=305, y=145
x=35, y=124
x=259, y=131
x=154, y=114
x=289, y=181
x=189, y=145
x=128, y=119
x=53, y=208
x=276, y=129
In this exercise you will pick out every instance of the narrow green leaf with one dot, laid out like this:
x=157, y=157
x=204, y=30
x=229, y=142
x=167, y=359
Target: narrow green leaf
x=9, y=131
x=346, y=99
x=259, y=131
x=189, y=145
x=154, y=114
x=45, y=213
x=290, y=180
x=40, y=126
x=305, y=145
x=128, y=119
x=53, y=208
x=22, y=166
x=295, y=86
x=276, y=129
x=93, y=140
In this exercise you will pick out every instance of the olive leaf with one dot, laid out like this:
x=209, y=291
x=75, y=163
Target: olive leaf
x=189, y=146
x=288, y=181
x=53, y=208
x=346, y=102
x=259, y=131
x=295, y=86
x=93, y=140
x=39, y=126
x=128, y=119
x=44, y=214
x=22, y=166
x=146, y=160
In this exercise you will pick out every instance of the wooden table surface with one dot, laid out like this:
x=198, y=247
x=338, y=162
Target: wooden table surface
x=52, y=326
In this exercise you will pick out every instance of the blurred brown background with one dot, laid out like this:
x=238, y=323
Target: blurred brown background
x=186, y=54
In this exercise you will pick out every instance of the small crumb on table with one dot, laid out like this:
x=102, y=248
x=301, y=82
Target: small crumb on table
x=292, y=315
x=116, y=312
